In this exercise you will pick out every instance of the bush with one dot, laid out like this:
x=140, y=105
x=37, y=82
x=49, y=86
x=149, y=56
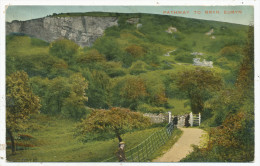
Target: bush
x=138, y=67
x=230, y=53
x=184, y=58
x=233, y=141
x=114, y=69
x=109, y=47
x=38, y=42
x=63, y=48
x=145, y=108
x=91, y=56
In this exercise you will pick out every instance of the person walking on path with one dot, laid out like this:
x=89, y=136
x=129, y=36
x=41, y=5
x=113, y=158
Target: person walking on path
x=121, y=152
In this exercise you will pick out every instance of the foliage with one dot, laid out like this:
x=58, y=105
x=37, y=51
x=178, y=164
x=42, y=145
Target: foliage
x=198, y=85
x=129, y=92
x=154, y=83
x=245, y=79
x=62, y=95
x=21, y=103
x=91, y=56
x=155, y=89
x=109, y=47
x=64, y=49
x=98, y=90
x=116, y=120
x=135, y=51
x=138, y=67
x=230, y=53
x=233, y=140
x=145, y=108
x=184, y=58
x=74, y=104
x=114, y=69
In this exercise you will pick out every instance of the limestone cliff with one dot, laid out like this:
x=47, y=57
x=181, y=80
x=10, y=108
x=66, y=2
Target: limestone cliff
x=83, y=30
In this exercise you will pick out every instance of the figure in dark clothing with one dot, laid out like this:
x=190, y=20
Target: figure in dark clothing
x=187, y=123
x=175, y=120
x=121, y=152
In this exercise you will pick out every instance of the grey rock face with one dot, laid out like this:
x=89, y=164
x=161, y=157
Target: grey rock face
x=83, y=30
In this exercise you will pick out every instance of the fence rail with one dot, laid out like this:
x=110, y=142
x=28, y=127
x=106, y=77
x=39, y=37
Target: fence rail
x=145, y=149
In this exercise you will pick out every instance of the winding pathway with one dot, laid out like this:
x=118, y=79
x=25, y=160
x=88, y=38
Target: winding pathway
x=183, y=146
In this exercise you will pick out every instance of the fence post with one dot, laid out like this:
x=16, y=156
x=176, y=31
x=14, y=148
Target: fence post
x=170, y=116
x=199, y=119
x=191, y=119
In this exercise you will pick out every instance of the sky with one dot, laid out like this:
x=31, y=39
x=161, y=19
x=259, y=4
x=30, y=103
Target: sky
x=233, y=14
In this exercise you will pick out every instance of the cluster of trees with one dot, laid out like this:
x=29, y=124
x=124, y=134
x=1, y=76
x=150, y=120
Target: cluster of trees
x=108, y=84
x=232, y=111
x=21, y=103
x=61, y=95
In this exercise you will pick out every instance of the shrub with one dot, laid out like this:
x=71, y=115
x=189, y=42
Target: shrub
x=64, y=49
x=145, y=108
x=138, y=67
x=135, y=51
x=91, y=56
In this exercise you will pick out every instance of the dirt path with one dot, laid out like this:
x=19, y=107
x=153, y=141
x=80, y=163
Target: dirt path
x=183, y=146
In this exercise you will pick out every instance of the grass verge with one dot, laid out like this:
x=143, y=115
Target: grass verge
x=54, y=142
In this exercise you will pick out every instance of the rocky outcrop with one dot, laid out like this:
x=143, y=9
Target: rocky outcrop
x=171, y=30
x=83, y=30
x=133, y=20
x=197, y=62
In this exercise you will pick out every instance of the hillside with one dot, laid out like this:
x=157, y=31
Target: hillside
x=80, y=62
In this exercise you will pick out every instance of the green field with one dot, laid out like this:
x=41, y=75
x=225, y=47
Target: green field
x=54, y=142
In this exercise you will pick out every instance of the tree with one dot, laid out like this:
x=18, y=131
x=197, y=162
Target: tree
x=135, y=51
x=56, y=93
x=131, y=91
x=98, y=91
x=198, y=85
x=109, y=47
x=155, y=89
x=138, y=67
x=62, y=95
x=91, y=56
x=74, y=104
x=64, y=49
x=233, y=140
x=116, y=120
x=245, y=79
x=21, y=103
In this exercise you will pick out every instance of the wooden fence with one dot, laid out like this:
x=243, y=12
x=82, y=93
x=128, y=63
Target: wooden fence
x=145, y=149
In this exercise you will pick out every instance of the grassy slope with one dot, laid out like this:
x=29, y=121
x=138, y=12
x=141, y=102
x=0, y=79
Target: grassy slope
x=55, y=139
x=55, y=142
x=23, y=46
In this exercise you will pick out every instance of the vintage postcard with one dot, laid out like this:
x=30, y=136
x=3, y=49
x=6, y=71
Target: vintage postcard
x=105, y=82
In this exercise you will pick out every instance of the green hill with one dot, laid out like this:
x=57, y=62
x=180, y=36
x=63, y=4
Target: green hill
x=137, y=64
